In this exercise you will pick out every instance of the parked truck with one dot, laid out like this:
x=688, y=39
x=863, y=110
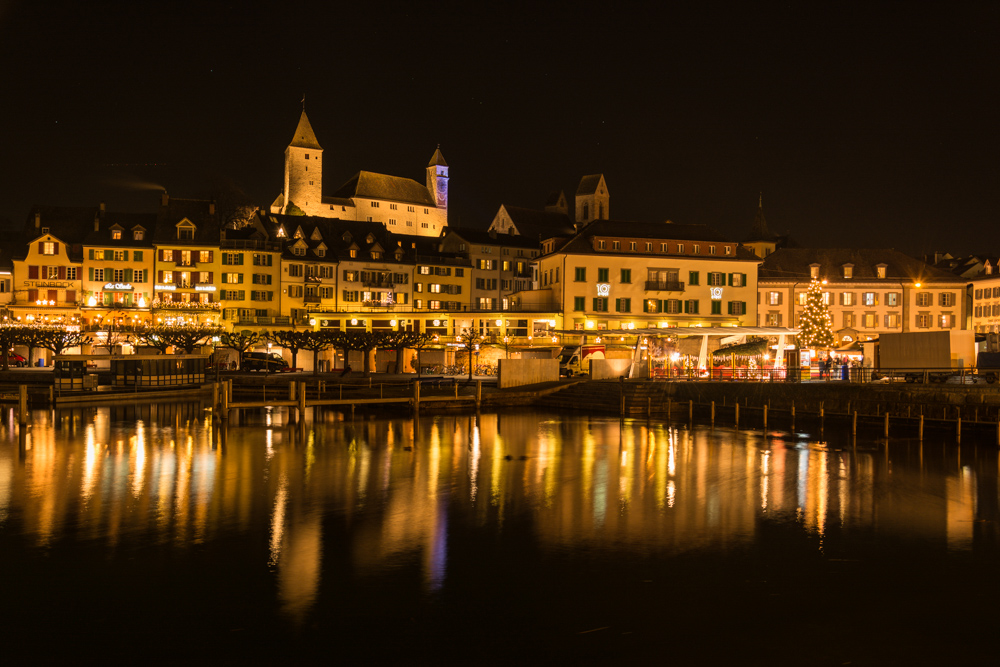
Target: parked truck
x=932, y=356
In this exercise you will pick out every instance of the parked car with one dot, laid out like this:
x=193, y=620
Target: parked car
x=263, y=361
x=16, y=361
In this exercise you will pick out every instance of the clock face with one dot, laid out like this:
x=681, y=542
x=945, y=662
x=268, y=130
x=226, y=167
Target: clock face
x=442, y=192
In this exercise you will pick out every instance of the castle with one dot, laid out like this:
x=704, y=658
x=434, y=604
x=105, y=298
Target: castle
x=403, y=205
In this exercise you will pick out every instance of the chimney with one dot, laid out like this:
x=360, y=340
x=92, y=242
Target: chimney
x=97, y=221
x=38, y=220
x=102, y=208
x=164, y=199
x=211, y=208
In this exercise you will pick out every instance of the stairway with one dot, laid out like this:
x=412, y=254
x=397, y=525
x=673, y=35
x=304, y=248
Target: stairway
x=605, y=396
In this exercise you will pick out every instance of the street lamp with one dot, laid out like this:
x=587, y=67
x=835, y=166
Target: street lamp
x=215, y=355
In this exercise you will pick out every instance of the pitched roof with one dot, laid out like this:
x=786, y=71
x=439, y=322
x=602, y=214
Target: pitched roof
x=480, y=237
x=588, y=184
x=382, y=186
x=539, y=224
x=794, y=264
x=198, y=212
x=304, y=136
x=127, y=222
x=437, y=160
x=583, y=243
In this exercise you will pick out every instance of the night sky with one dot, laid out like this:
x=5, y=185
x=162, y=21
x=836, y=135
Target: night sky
x=863, y=125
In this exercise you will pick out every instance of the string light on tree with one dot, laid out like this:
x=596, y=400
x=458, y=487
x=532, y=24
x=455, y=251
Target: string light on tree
x=816, y=324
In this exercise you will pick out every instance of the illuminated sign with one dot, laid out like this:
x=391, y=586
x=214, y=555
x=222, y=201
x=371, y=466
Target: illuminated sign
x=169, y=288
x=716, y=293
x=117, y=287
x=204, y=288
x=847, y=339
x=603, y=289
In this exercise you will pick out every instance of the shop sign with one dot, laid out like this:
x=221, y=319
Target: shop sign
x=716, y=293
x=204, y=288
x=603, y=289
x=118, y=287
x=169, y=288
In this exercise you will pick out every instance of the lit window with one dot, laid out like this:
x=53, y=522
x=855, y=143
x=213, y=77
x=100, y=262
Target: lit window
x=116, y=234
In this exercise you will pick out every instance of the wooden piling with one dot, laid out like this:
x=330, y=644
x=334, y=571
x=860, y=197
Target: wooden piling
x=479, y=393
x=291, y=391
x=765, y=416
x=691, y=411
x=854, y=423
x=302, y=402
x=416, y=395
x=887, y=424
x=670, y=405
x=713, y=413
x=224, y=412
x=958, y=428
x=920, y=431
x=215, y=398
x=22, y=404
x=737, y=414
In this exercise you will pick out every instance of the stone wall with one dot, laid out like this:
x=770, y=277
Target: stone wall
x=519, y=372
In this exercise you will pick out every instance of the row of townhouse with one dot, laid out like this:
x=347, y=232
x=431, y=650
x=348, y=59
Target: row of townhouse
x=82, y=266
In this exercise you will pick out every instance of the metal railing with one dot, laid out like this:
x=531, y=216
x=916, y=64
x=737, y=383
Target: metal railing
x=664, y=286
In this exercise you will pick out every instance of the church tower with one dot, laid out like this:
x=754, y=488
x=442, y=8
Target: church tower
x=303, y=193
x=437, y=181
x=593, y=201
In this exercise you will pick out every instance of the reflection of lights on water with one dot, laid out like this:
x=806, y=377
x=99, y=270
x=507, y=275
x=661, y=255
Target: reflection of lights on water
x=278, y=520
x=474, y=464
x=765, y=467
x=671, y=492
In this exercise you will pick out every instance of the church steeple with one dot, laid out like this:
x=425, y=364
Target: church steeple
x=437, y=180
x=303, y=193
x=761, y=240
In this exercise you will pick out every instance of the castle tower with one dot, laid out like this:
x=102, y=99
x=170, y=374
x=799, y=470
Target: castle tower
x=761, y=240
x=593, y=201
x=437, y=181
x=303, y=171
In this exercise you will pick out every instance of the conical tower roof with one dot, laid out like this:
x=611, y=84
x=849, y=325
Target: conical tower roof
x=437, y=160
x=759, y=231
x=304, y=136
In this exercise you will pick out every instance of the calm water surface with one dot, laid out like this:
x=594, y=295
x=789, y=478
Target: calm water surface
x=137, y=535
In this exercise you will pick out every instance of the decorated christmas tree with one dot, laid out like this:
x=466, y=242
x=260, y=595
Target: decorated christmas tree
x=816, y=325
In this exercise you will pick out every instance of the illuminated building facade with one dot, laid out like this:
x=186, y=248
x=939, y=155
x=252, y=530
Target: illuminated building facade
x=403, y=205
x=187, y=263
x=501, y=264
x=868, y=291
x=622, y=275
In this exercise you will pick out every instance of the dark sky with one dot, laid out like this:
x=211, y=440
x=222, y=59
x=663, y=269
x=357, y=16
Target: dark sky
x=863, y=124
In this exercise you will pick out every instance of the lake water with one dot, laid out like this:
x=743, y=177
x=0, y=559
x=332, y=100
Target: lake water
x=147, y=535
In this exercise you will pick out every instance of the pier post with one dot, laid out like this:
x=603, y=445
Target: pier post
x=224, y=412
x=215, y=397
x=649, y=407
x=22, y=404
x=765, y=416
x=455, y=387
x=920, y=430
x=713, y=414
x=416, y=395
x=302, y=402
x=854, y=423
x=479, y=393
x=670, y=406
x=737, y=414
x=887, y=425
x=958, y=428
x=291, y=391
x=691, y=410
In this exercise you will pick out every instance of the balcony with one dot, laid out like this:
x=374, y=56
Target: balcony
x=664, y=286
x=311, y=298
x=185, y=264
x=384, y=284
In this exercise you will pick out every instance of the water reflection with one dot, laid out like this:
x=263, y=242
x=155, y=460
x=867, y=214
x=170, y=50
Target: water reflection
x=396, y=493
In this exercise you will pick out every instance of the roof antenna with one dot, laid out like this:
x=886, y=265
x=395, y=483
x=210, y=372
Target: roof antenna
x=303, y=101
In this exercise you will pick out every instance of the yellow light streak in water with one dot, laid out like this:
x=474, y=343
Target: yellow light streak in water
x=474, y=464
x=91, y=452
x=137, y=447
x=765, y=478
x=278, y=520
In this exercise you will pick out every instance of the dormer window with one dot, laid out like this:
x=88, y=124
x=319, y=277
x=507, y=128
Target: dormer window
x=376, y=254
x=353, y=252
x=320, y=252
x=848, y=271
x=185, y=231
x=370, y=239
x=880, y=270
x=347, y=237
x=280, y=233
x=138, y=234
x=814, y=271
x=116, y=234
x=298, y=251
x=729, y=250
x=45, y=230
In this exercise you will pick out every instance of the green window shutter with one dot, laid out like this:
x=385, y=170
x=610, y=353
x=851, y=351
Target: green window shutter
x=687, y=307
x=137, y=255
x=109, y=274
x=645, y=305
x=240, y=278
x=225, y=259
x=91, y=255
x=744, y=279
x=109, y=254
x=225, y=277
x=694, y=306
x=125, y=256
x=128, y=275
x=91, y=268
